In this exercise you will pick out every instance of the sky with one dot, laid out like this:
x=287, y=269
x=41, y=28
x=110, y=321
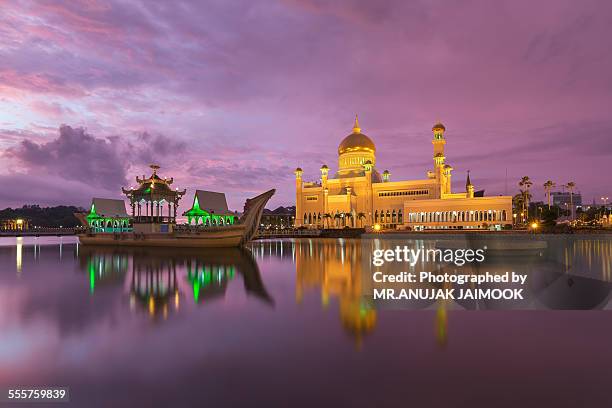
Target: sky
x=232, y=96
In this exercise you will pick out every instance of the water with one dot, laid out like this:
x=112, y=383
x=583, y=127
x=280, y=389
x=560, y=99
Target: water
x=284, y=325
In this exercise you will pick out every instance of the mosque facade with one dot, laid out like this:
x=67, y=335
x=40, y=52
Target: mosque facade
x=358, y=195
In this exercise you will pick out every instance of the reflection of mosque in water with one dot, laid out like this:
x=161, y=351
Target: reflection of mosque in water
x=154, y=276
x=572, y=272
x=567, y=274
x=334, y=268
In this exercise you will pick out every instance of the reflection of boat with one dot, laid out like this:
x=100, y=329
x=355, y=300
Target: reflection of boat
x=153, y=275
x=186, y=237
x=208, y=273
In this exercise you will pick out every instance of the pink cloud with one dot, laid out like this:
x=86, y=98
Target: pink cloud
x=38, y=83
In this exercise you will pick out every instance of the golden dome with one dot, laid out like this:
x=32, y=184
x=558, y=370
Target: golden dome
x=356, y=141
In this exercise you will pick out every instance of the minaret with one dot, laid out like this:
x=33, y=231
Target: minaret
x=386, y=176
x=298, y=197
x=469, y=187
x=368, y=167
x=438, y=140
x=439, y=158
x=324, y=173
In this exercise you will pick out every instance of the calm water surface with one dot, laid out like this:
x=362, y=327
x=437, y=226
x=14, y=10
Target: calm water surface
x=283, y=324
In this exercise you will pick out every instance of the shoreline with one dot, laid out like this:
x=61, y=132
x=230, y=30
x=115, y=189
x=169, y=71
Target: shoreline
x=340, y=233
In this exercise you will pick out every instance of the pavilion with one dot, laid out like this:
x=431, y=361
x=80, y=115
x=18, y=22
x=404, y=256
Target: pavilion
x=108, y=215
x=154, y=203
x=209, y=208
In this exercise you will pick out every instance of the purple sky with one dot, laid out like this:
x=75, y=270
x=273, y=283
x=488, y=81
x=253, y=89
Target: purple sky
x=233, y=95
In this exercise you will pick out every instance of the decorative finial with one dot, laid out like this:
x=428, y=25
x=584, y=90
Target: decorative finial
x=356, y=128
x=468, y=182
x=154, y=167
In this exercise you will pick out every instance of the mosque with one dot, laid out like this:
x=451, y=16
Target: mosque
x=359, y=196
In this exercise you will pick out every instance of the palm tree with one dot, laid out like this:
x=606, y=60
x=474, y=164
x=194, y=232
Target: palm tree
x=361, y=216
x=518, y=204
x=326, y=218
x=548, y=187
x=570, y=186
x=347, y=216
x=337, y=218
x=525, y=184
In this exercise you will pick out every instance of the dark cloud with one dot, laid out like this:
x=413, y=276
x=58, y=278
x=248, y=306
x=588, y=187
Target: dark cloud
x=159, y=149
x=46, y=190
x=74, y=155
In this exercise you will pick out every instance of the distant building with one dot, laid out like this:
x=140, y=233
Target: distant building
x=280, y=218
x=562, y=199
x=210, y=208
x=359, y=195
x=14, y=224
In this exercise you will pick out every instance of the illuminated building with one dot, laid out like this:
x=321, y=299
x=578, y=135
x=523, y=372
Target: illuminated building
x=358, y=195
x=108, y=215
x=14, y=224
x=564, y=199
x=209, y=208
x=154, y=203
x=280, y=218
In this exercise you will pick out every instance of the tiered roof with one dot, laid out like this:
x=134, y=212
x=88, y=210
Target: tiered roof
x=154, y=188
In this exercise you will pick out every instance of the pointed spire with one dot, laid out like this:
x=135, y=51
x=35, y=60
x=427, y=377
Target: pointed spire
x=468, y=181
x=356, y=128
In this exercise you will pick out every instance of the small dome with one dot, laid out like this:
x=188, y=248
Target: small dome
x=298, y=169
x=324, y=166
x=438, y=126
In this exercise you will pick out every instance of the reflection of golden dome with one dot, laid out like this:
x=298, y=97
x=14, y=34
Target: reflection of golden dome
x=356, y=141
x=357, y=317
